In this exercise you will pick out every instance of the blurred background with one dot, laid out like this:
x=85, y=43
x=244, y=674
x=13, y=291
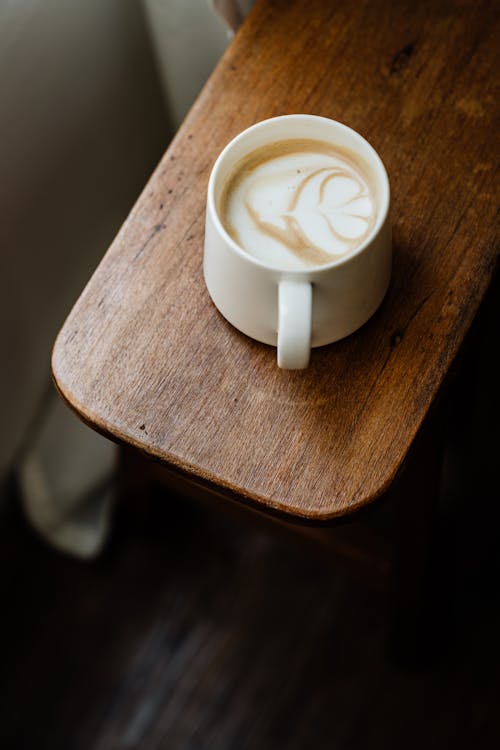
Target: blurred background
x=123, y=628
x=91, y=94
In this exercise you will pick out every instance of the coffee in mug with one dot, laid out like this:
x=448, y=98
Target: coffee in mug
x=299, y=203
x=298, y=234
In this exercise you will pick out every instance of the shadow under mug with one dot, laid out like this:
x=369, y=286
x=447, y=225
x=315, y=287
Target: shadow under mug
x=295, y=309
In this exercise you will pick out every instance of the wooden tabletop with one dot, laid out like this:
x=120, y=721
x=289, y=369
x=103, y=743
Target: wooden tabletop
x=145, y=358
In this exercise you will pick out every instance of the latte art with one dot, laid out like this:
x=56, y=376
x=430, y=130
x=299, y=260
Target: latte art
x=299, y=203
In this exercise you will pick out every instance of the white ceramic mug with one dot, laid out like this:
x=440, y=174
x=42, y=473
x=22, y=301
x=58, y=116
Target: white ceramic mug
x=299, y=308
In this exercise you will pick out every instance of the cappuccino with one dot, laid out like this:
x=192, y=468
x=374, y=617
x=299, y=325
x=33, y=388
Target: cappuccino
x=299, y=203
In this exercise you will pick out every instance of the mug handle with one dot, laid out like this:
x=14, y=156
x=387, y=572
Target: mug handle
x=294, y=324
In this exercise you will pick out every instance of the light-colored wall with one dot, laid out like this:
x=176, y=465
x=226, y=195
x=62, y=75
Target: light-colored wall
x=82, y=124
x=189, y=38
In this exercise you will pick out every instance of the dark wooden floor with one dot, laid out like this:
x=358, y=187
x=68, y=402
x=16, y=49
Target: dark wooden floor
x=203, y=634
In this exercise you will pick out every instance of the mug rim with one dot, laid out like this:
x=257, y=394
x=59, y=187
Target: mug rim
x=381, y=218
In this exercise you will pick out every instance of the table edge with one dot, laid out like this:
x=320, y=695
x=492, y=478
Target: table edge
x=206, y=478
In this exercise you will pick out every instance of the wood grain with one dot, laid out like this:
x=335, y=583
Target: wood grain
x=146, y=359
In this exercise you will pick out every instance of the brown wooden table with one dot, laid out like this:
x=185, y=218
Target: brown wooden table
x=146, y=359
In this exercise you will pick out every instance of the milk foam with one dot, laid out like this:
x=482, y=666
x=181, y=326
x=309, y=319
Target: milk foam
x=298, y=203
